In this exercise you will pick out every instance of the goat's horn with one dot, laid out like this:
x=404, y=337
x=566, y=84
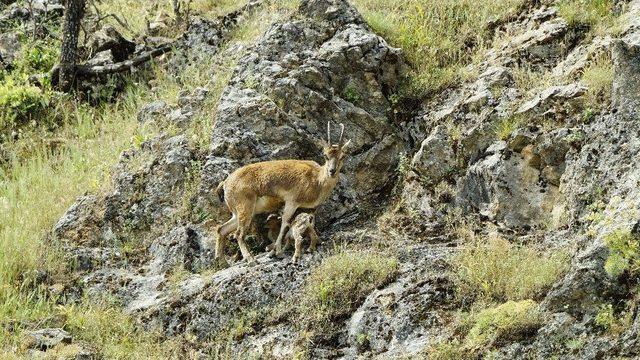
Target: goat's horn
x=341, y=134
x=329, y=132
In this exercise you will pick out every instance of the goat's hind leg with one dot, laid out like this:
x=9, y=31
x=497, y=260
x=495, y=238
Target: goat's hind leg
x=245, y=215
x=221, y=242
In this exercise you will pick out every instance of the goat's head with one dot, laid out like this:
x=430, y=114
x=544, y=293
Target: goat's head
x=334, y=153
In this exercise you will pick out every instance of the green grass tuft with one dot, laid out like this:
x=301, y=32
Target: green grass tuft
x=507, y=322
x=336, y=288
x=496, y=270
x=596, y=14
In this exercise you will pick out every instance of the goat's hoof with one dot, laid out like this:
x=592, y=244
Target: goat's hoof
x=251, y=261
x=271, y=253
x=280, y=255
x=294, y=260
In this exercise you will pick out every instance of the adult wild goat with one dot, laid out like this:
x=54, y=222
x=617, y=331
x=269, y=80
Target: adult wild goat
x=265, y=186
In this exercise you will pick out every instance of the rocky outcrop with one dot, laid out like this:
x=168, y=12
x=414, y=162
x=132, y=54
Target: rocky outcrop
x=152, y=252
x=324, y=65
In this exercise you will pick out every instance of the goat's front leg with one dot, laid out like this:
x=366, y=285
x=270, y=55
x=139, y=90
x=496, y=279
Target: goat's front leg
x=297, y=236
x=287, y=214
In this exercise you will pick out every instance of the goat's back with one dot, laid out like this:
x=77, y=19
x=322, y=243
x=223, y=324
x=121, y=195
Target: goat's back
x=293, y=179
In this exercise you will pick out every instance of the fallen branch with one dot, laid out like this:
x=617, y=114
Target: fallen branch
x=95, y=70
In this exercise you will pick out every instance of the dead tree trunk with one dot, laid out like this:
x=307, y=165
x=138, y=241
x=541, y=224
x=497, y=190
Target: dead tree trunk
x=73, y=14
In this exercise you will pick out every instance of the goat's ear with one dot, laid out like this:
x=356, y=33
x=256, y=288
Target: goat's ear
x=344, y=146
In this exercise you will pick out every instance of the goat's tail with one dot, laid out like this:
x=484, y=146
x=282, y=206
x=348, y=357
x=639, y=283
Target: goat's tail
x=220, y=191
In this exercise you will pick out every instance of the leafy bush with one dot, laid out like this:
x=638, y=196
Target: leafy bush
x=624, y=253
x=509, y=321
x=337, y=287
x=497, y=270
x=20, y=104
x=37, y=57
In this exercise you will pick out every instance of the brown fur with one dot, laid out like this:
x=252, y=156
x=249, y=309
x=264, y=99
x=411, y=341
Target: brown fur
x=266, y=186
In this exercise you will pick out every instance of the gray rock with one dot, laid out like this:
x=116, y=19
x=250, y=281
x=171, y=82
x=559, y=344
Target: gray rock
x=436, y=158
x=47, y=338
x=506, y=187
x=399, y=319
x=544, y=100
x=9, y=48
x=152, y=110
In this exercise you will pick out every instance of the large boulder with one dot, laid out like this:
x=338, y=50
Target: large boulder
x=323, y=65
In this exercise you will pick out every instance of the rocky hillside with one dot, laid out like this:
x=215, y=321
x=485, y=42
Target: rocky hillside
x=495, y=215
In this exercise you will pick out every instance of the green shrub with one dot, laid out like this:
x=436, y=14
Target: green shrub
x=507, y=322
x=605, y=317
x=337, y=287
x=351, y=94
x=20, y=104
x=494, y=269
x=624, y=253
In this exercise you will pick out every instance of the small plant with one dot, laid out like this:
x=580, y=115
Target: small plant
x=251, y=82
x=37, y=57
x=506, y=126
x=588, y=114
x=605, y=318
x=496, y=270
x=575, y=344
x=447, y=350
x=507, y=322
x=624, y=253
x=351, y=94
x=363, y=340
x=611, y=321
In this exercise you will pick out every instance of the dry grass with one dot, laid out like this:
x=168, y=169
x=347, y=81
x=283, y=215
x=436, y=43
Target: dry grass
x=493, y=269
x=438, y=37
x=598, y=77
x=597, y=15
x=135, y=14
